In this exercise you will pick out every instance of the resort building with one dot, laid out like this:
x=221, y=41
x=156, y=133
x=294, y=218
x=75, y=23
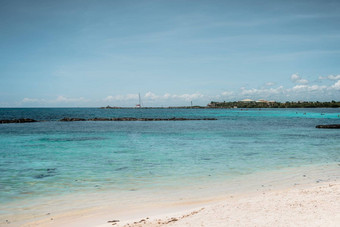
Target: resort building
x=247, y=100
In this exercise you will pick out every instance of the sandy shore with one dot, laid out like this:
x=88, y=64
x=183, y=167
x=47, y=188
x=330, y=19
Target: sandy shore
x=306, y=196
x=310, y=205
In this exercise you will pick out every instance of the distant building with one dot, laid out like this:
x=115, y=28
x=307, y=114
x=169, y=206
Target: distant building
x=262, y=100
x=247, y=100
x=212, y=104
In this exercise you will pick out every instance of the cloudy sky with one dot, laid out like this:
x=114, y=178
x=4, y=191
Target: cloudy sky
x=105, y=52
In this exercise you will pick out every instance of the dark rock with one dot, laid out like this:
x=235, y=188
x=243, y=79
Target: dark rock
x=22, y=120
x=28, y=120
x=124, y=119
x=72, y=119
x=100, y=119
x=158, y=119
x=335, y=126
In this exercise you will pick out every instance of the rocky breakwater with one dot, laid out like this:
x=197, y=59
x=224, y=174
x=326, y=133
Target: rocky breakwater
x=22, y=120
x=68, y=119
x=138, y=119
x=72, y=119
x=334, y=126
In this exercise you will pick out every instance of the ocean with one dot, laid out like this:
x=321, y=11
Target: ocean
x=53, y=159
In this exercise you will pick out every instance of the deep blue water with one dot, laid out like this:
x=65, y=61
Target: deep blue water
x=52, y=157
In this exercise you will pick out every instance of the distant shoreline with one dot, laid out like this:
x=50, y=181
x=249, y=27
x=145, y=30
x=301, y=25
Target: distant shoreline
x=203, y=107
x=244, y=105
x=272, y=104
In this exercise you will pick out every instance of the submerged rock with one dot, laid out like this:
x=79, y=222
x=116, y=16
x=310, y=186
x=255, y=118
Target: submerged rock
x=40, y=176
x=334, y=126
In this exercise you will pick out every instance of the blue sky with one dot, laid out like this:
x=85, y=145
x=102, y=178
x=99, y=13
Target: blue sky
x=105, y=52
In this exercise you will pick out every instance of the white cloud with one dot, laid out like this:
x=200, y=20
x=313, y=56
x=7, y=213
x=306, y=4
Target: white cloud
x=294, y=77
x=336, y=85
x=151, y=95
x=307, y=88
x=188, y=97
x=131, y=96
x=154, y=97
x=297, y=79
x=299, y=91
x=227, y=93
x=255, y=91
x=302, y=81
x=330, y=77
x=316, y=88
x=167, y=95
x=269, y=84
x=59, y=100
x=121, y=97
x=65, y=99
x=299, y=87
x=30, y=100
x=109, y=98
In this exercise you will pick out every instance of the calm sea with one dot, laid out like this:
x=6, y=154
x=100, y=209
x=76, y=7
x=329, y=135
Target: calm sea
x=63, y=158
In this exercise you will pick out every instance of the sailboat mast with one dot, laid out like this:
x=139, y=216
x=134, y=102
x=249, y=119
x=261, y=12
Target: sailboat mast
x=140, y=100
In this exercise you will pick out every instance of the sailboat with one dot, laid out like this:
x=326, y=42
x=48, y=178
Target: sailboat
x=139, y=105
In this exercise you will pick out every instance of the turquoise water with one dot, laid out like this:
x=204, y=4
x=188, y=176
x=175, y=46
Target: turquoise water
x=55, y=158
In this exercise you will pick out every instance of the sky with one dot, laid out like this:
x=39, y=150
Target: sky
x=91, y=53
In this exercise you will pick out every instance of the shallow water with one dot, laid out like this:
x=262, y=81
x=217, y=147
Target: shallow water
x=52, y=158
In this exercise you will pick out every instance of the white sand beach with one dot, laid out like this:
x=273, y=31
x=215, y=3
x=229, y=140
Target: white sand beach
x=313, y=205
x=291, y=200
